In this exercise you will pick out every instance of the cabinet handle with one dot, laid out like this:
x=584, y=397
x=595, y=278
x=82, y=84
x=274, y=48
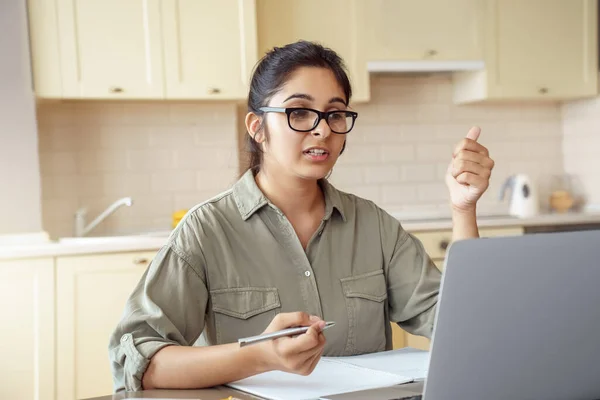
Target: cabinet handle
x=543, y=90
x=214, y=91
x=431, y=52
x=140, y=260
x=444, y=245
x=115, y=89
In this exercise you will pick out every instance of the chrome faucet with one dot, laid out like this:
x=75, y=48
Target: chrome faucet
x=82, y=230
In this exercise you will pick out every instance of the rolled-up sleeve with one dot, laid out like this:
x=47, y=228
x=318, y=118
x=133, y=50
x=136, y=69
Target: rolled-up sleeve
x=412, y=277
x=167, y=307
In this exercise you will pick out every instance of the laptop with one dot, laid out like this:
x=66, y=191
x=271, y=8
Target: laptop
x=518, y=318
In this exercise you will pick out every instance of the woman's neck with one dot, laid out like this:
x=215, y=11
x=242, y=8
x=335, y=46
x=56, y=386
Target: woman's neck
x=294, y=196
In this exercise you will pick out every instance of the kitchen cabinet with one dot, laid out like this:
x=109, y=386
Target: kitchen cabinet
x=91, y=291
x=110, y=49
x=436, y=243
x=150, y=49
x=46, y=70
x=535, y=50
x=428, y=30
x=210, y=48
x=27, y=334
x=333, y=23
x=206, y=49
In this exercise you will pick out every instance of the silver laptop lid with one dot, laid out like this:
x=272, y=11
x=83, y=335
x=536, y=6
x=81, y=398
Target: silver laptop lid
x=519, y=318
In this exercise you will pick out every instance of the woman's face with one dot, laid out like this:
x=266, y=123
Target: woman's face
x=312, y=154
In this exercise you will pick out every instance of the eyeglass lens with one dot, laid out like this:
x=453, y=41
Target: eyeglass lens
x=305, y=120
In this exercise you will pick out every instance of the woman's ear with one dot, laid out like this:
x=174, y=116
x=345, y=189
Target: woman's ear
x=253, y=123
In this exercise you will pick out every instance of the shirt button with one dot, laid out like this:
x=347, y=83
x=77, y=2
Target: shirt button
x=124, y=338
x=307, y=273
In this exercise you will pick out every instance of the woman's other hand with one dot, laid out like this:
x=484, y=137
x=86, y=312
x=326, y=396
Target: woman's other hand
x=469, y=172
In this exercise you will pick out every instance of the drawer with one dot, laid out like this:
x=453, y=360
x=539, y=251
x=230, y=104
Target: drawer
x=437, y=242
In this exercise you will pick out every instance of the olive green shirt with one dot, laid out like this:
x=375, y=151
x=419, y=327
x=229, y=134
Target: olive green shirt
x=235, y=261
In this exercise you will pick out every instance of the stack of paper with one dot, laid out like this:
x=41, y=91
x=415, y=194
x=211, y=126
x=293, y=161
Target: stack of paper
x=335, y=375
x=407, y=362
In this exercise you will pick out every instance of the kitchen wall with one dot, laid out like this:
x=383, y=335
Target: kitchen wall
x=169, y=156
x=400, y=150
x=20, y=204
x=166, y=156
x=581, y=128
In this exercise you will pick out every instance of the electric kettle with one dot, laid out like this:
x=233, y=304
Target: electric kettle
x=524, y=201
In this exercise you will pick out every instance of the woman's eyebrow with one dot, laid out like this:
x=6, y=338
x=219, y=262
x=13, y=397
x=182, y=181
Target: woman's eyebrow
x=300, y=96
x=308, y=97
x=337, y=100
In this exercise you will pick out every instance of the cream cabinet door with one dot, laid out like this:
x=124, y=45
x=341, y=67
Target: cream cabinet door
x=27, y=333
x=91, y=292
x=433, y=30
x=110, y=49
x=44, y=49
x=210, y=48
x=536, y=49
x=333, y=23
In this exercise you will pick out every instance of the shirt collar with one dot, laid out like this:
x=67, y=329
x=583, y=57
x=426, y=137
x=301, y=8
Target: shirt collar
x=333, y=200
x=249, y=198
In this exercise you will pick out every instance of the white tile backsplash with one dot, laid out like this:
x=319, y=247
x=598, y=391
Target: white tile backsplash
x=166, y=156
x=419, y=172
x=382, y=174
x=399, y=193
x=432, y=192
x=412, y=124
x=581, y=128
x=172, y=155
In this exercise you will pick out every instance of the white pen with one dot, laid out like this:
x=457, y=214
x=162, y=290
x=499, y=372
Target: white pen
x=274, y=335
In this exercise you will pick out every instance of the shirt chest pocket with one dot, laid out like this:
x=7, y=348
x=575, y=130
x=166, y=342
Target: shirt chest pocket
x=366, y=296
x=242, y=312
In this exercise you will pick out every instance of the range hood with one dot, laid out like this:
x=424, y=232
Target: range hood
x=424, y=66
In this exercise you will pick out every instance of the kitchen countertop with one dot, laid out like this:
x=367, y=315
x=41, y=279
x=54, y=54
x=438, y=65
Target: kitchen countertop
x=573, y=218
x=115, y=244
x=79, y=246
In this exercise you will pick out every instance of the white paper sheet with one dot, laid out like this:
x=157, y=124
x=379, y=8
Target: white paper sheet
x=407, y=362
x=335, y=375
x=329, y=377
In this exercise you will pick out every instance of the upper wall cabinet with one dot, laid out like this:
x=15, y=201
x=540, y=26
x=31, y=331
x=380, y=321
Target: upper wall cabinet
x=332, y=23
x=535, y=50
x=206, y=49
x=210, y=48
x=431, y=30
x=96, y=48
x=146, y=49
x=110, y=48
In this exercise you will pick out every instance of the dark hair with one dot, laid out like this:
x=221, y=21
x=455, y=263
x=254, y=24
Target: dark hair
x=274, y=69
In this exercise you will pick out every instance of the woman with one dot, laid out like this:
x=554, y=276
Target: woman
x=284, y=248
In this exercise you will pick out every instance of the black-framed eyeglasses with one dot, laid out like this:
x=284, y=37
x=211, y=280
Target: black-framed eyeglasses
x=303, y=119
